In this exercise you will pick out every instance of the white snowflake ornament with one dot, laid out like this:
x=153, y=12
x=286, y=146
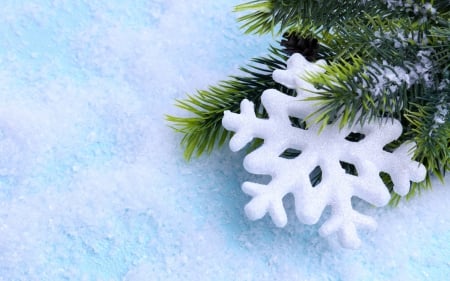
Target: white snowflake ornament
x=327, y=150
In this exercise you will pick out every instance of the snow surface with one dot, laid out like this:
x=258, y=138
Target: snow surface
x=92, y=181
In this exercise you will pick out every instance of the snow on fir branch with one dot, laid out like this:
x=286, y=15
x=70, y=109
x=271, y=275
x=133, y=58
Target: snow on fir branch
x=424, y=9
x=389, y=77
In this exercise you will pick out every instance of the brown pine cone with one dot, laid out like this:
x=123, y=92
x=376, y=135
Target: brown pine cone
x=308, y=47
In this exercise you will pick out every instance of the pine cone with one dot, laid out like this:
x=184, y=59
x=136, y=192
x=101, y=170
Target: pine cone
x=308, y=47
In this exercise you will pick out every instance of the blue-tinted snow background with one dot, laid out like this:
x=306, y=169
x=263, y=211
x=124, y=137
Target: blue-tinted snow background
x=93, y=185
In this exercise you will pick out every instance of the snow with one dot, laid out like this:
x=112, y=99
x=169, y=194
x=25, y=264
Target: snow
x=425, y=9
x=428, y=8
x=441, y=114
x=391, y=77
x=92, y=181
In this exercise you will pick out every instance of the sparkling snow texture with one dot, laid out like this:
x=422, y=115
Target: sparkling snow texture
x=92, y=181
x=324, y=150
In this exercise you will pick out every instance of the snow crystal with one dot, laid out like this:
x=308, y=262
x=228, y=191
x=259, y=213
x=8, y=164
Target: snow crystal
x=293, y=175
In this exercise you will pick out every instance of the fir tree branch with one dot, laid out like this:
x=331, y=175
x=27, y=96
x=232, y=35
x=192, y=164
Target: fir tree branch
x=307, y=16
x=203, y=131
x=429, y=128
x=368, y=45
x=344, y=91
x=364, y=50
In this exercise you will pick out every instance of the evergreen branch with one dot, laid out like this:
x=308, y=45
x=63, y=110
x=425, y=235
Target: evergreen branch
x=264, y=15
x=374, y=38
x=430, y=129
x=385, y=59
x=440, y=43
x=373, y=66
x=343, y=91
x=203, y=130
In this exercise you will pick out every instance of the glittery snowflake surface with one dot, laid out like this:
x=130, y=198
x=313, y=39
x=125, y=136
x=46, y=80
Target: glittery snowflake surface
x=326, y=150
